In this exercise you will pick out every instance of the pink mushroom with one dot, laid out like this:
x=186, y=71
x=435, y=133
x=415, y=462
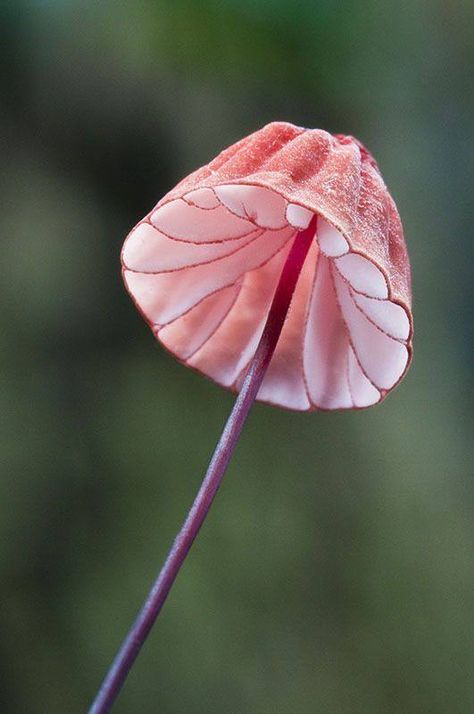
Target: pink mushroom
x=280, y=271
x=203, y=266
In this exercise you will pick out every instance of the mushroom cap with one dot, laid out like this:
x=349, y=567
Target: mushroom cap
x=203, y=265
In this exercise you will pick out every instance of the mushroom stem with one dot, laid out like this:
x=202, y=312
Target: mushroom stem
x=156, y=598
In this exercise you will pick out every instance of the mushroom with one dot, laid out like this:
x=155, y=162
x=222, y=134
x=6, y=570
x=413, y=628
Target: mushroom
x=279, y=270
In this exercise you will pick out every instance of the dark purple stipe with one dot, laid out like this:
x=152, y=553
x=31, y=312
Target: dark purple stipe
x=220, y=460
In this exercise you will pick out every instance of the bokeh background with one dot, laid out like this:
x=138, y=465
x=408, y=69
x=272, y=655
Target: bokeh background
x=336, y=571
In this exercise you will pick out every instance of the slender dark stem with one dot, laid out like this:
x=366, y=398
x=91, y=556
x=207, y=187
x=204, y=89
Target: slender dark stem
x=184, y=540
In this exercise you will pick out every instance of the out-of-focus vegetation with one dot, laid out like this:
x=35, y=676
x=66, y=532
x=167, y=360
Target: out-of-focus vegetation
x=336, y=571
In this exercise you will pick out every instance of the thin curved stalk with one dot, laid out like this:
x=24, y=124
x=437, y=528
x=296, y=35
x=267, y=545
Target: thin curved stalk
x=156, y=598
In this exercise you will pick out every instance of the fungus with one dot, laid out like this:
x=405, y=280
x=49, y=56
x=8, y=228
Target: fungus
x=279, y=270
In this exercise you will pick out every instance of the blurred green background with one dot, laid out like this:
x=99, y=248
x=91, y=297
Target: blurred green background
x=336, y=571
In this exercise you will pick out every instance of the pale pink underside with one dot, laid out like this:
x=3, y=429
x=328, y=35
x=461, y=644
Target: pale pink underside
x=203, y=269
